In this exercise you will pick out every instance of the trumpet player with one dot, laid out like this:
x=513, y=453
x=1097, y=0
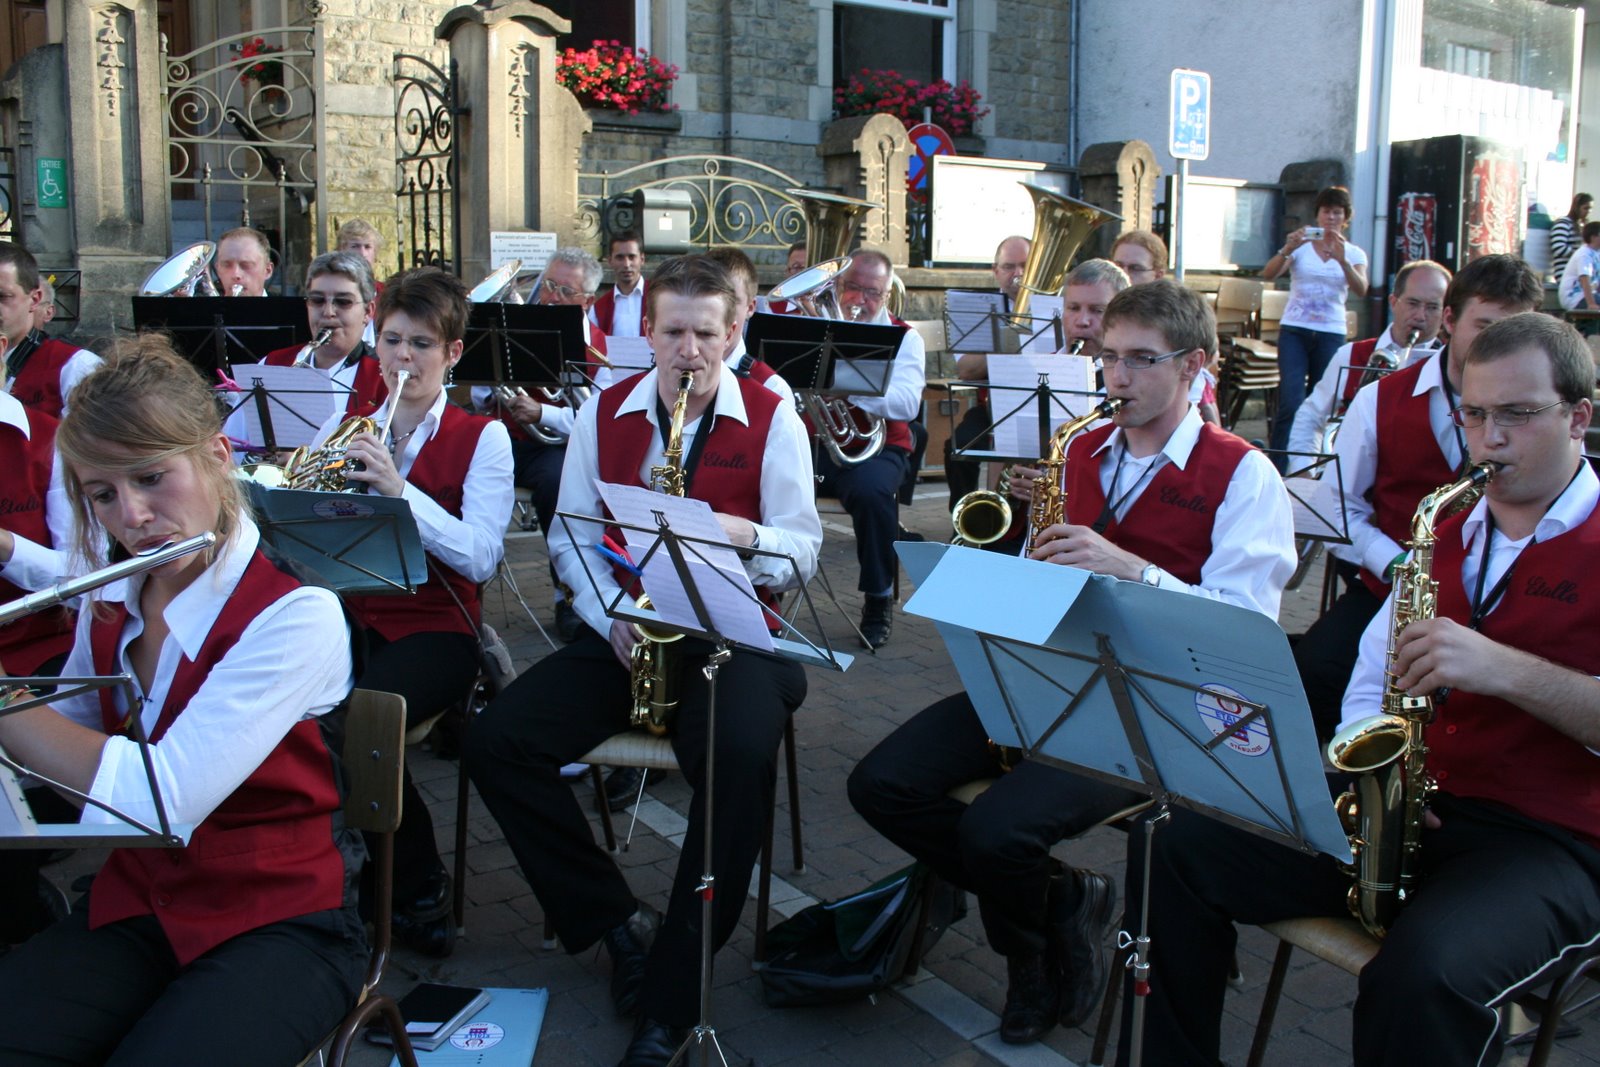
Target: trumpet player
x=1510, y=849
x=747, y=455
x=39, y=371
x=243, y=262
x=1156, y=497
x=1396, y=444
x=340, y=297
x=454, y=469
x=869, y=490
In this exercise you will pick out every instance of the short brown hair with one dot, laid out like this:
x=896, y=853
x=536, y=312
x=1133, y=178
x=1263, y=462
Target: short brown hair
x=1335, y=196
x=1571, y=363
x=1180, y=314
x=250, y=234
x=622, y=236
x=22, y=259
x=430, y=295
x=1146, y=240
x=736, y=263
x=692, y=276
x=1501, y=279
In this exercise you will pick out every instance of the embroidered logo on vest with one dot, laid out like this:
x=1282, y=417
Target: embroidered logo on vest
x=736, y=462
x=1171, y=495
x=1564, y=590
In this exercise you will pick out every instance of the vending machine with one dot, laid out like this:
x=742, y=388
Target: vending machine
x=1453, y=199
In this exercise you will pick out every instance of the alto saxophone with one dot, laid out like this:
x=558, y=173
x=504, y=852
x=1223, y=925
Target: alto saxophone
x=655, y=661
x=1383, y=814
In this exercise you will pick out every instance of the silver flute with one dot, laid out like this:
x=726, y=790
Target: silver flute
x=75, y=587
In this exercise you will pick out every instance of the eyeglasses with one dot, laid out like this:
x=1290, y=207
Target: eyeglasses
x=868, y=294
x=1111, y=359
x=343, y=302
x=1472, y=418
x=420, y=345
x=1130, y=269
x=562, y=292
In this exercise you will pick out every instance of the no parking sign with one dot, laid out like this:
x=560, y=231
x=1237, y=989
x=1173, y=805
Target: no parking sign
x=927, y=141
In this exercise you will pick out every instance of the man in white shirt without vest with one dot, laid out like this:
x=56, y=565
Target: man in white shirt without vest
x=1155, y=496
x=619, y=312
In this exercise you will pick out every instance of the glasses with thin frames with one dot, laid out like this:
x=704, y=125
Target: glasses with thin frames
x=1139, y=362
x=1471, y=418
x=869, y=294
x=562, y=292
x=420, y=345
x=343, y=302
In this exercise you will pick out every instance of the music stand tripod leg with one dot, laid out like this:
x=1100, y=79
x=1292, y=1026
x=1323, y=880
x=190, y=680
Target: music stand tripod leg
x=704, y=1035
x=1139, y=960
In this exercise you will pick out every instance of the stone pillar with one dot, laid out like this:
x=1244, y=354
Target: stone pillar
x=867, y=157
x=522, y=134
x=1120, y=176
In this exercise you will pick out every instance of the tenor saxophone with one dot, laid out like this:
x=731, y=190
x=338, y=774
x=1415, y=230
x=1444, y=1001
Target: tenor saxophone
x=1383, y=814
x=655, y=668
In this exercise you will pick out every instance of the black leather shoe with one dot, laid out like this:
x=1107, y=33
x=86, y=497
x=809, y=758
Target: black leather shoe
x=431, y=899
x=1033, y=999
x=621, y=789
x=1078, y=940
x=568, y=622
x=430, y=937
x=877, y=619
x=653, y=1044
x=628, y=944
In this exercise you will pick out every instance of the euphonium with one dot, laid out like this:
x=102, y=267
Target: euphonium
x=1383, y=814
x=506, y=395
x=655, y=661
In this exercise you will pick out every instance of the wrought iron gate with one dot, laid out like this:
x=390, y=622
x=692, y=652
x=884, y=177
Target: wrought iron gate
x=427, y=163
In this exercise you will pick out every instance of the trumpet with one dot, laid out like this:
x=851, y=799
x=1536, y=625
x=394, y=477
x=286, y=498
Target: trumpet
x=237, y=289
x=304, y=356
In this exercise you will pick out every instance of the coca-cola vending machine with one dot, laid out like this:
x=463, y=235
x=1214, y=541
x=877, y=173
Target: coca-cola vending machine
x=1453, y=199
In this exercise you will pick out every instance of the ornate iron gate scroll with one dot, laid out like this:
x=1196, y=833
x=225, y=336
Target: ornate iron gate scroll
x=427, y=163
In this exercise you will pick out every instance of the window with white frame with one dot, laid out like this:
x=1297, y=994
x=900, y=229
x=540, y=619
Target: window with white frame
x=915, y=37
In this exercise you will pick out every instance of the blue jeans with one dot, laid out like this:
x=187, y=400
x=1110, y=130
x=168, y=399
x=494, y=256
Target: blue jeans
x=1301, y=353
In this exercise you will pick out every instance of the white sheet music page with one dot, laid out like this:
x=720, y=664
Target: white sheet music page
x=1013, y=381
x=970, y=319
x=717, y=572
x=629, y=355
x=299, y=401
x=1044, y=311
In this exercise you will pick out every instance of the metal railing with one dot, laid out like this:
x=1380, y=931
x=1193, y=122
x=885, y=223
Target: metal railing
x=427, y=163
x=8, y=194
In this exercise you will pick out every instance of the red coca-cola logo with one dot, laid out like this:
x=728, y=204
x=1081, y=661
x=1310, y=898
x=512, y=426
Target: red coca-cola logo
x=1415, y=215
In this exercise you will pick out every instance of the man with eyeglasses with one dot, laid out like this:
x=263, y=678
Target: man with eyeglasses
x=1396, y=445
x=1510, y=849
x=340, y=292
x=1141, y=255
x=1154, y=496
x=869, y=491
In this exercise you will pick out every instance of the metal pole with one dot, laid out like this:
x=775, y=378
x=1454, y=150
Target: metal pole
x=1177, y=220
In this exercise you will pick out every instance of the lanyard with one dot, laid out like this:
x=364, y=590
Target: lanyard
x=691, y=459
x=1450, y=407
x=19, y=355
x=1113, y=502
x=1481, y=604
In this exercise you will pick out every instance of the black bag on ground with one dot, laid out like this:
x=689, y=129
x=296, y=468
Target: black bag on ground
x=849, y=948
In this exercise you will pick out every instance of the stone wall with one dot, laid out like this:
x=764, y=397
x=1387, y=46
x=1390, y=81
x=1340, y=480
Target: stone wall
x=1029, y=87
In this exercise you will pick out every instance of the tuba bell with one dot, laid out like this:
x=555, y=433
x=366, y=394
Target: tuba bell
x=186, y=273
x=1060, y=226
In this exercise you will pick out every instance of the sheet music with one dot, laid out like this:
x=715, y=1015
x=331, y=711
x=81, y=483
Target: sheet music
x=629, y=355
x=718, y=573
x=299, y=401
x=970, y=319
x=1013, y=380
x=1317, y=507
x=1040, y=335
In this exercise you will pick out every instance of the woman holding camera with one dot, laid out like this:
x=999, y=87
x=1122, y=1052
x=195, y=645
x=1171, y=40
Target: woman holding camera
x=1324, y=270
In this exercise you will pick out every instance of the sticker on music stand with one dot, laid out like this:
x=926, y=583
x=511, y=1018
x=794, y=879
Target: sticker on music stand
x=341, y=506
x=474, y=1037
x=1219, y=708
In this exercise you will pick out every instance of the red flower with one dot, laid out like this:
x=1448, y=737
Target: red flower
x=610, y=74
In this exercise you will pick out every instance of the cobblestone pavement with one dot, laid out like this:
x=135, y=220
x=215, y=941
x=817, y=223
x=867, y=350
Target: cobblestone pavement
x=947, y=1017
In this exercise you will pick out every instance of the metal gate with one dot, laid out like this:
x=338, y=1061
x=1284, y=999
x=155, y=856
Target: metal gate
x=8, y=194
x=427, y=164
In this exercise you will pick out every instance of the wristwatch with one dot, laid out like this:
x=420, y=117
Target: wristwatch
x=1151, y=575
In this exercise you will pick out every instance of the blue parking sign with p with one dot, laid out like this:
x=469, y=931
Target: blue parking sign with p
x=1189, y=135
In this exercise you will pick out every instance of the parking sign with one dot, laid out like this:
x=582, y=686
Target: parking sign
x=1189, y=130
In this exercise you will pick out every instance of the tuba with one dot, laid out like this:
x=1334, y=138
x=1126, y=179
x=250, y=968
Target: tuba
x=1383, y=814
x=654, y=678
x=186, y=273
x=1060, y=226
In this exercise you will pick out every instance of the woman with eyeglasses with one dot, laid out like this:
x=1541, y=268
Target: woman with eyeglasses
x=340, y=291
x=454, y=469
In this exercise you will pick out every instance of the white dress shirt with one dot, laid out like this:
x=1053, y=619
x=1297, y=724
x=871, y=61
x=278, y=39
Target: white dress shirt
x=774, y=382
x=473, y=544
x=1357, y=449
x=1252, y=536
x=291, y=663
x=789, y=523
x=1571, y=509
x=627, y=312
x=902, y=400
x=1313, y=414
x=34, y=566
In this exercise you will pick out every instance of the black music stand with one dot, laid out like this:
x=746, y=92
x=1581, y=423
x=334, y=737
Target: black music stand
x=1043, y=404
x=830, y=356
x=524, y=344
x=215, y=332
x=983, y=323
x=356, y=543
x=283, y=422
x=1315, y=481
x=696, y=575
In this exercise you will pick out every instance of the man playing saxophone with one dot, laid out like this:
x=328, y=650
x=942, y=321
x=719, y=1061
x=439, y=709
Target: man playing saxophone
x=1154, y=497
x=746, y=454
x=1510, y=852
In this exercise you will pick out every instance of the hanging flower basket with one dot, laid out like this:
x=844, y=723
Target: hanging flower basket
x=609, y=74
x=870, y=92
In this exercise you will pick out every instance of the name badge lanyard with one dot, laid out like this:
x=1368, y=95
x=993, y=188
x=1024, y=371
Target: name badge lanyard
x=1113, y=502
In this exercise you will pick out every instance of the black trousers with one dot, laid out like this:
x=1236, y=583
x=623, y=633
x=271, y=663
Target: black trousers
x=1500, y=897
x=998, y=847
x=432, y=671
x=538, y=469
x=1327, y=654
x=961, y=474
x=870, y=493
x=117, y=996
x=569, y=702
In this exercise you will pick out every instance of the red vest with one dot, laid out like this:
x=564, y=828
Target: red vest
x=728, y=476
x=596, y=342
x=368, y=390
x=1410, y=463
x=1170, y=523
x=1360, y=354
x=1488, y=748
x=440, y=471
x=38, y=384
x=605, y=307
x=26, y=644
x=268, y=852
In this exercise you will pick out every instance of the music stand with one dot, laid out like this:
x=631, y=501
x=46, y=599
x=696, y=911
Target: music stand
x=1037, y=402
x=524, y=344
x=287, y=403
x=979, y=321
x=357, y=543
x=1212, y=716
x=831, y=356
x=215, y=332
x=1315, y=482
x=694, y=573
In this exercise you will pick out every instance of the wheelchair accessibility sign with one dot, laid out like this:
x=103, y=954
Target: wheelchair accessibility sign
x=52, y=178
